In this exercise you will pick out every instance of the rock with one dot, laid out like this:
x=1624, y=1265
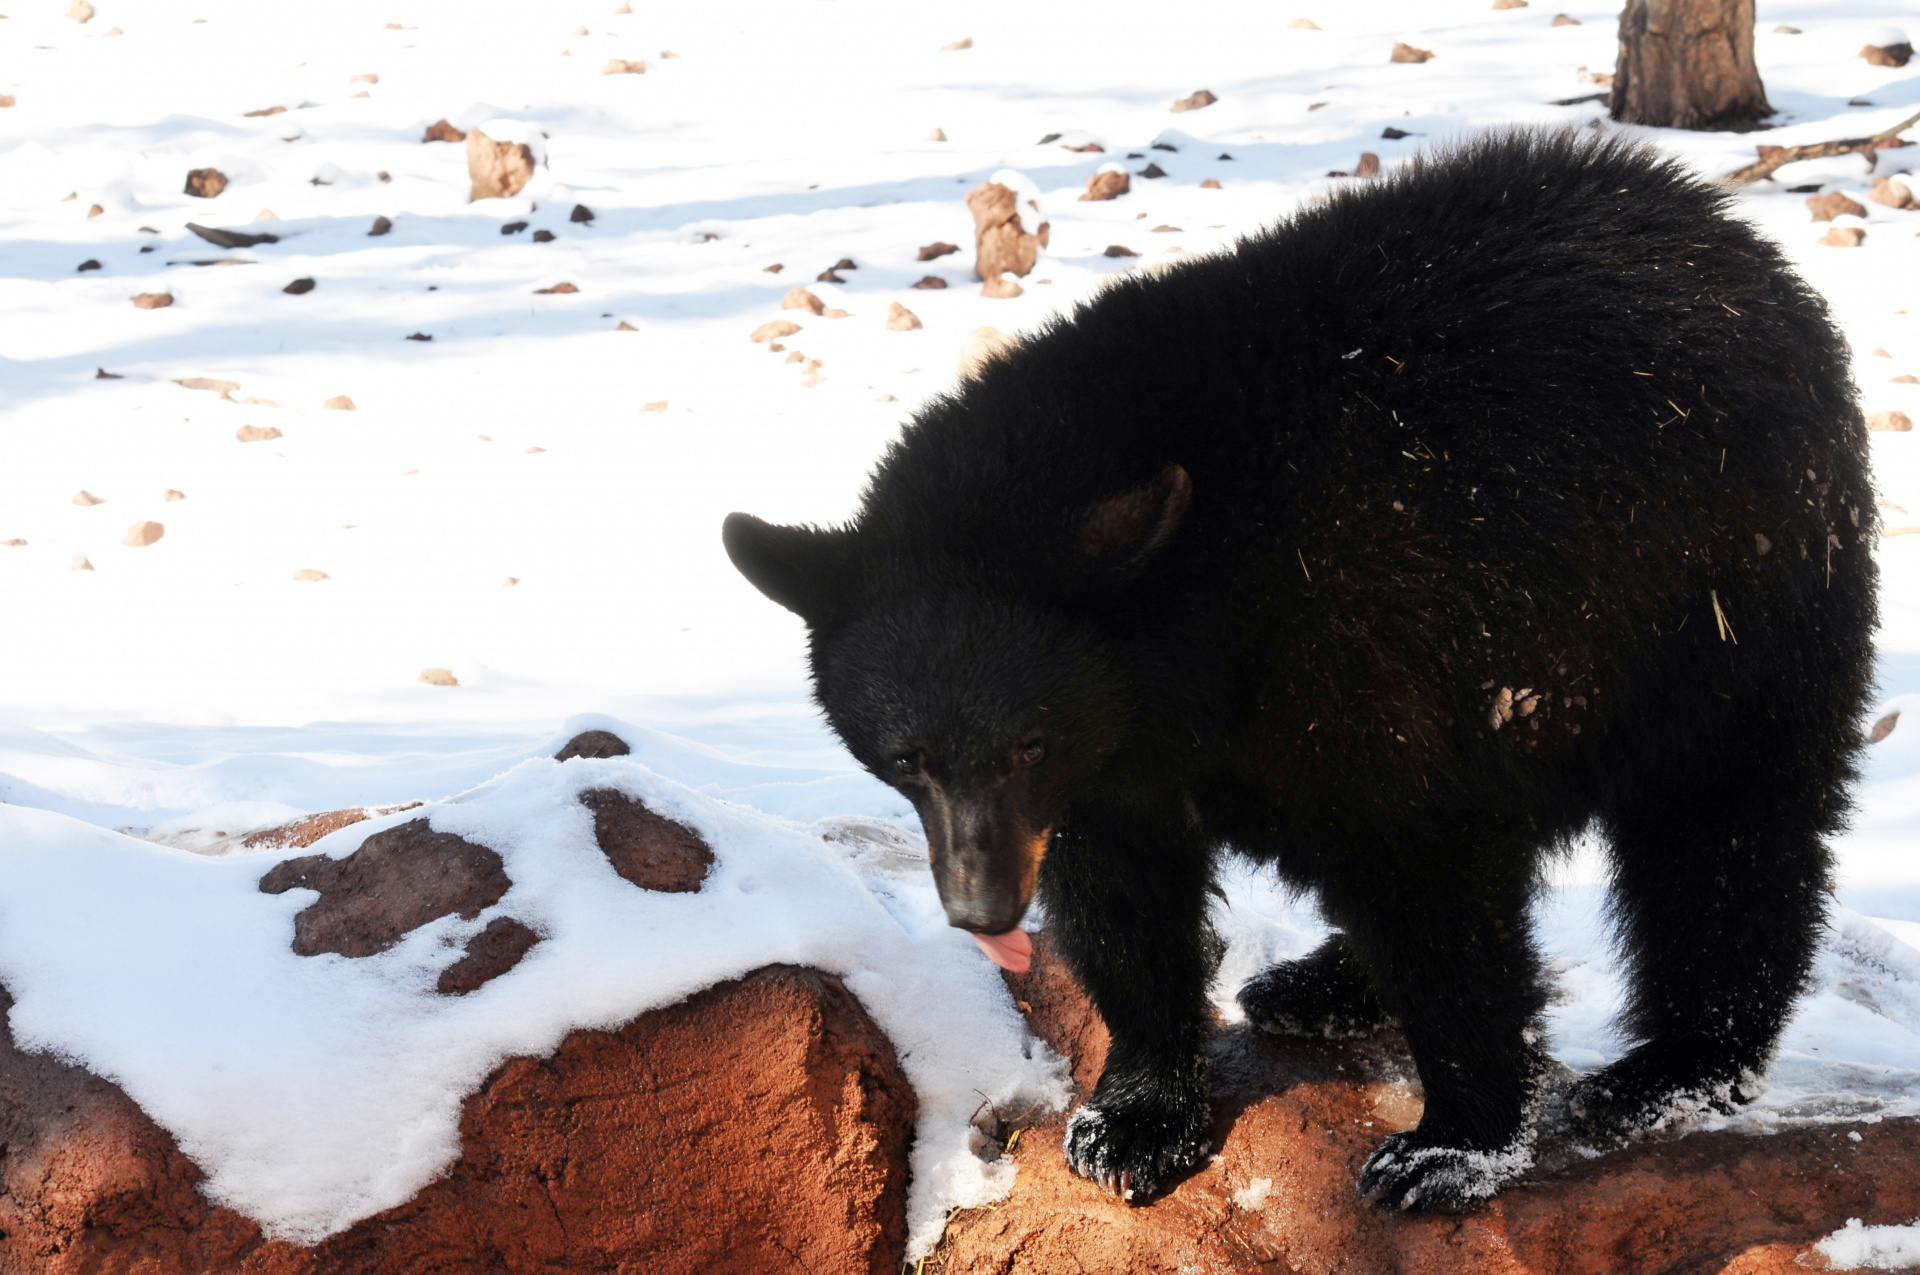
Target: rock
x=173, y=494
x=1388, y=134
x=773, y=330
x=339, y=403
x=142, y=534
x=299, y=287
x=311, y=575
x=420, y=336
x=205, y=183
x=558, y=288
x=659, y=406
x=775, y=268
x=224, y=389
x=845, y=263
x=1210, y=184
x=801, y=299
x=833, y=312
x=937, y=135
x=1001, y=241
x=489, y=954
x=982, y=346
x=620, y=66
x=153, y=300
x=936, y=250
x=829, y=275
x=1887, y=54
x=264, y=112
x=1194, y=101
x=101, y=374
x=364, y=77
x=512, y=227
x=438, y=676
x=1884, y=727
x=302, y=833
x=1166, y=230
x=443, y=131
x=1153, y=171
x=80, y=11
x=1564, y=20
x=795, y=357
x=624, y=326
x=1369, y=165
x=1889, y=422
x=901, y=319
x=497, y=169
x=396, y=882
x=966, y=42
x=580, y=213
x=1783, y=29
x=1303, y=24
x=1827, y=207
x=8, y=99
x=1119, y=250
x=1002, y=288
x=256, y=433
x=1509, y=4
x=1844, y=237
x=230, y=238
x=1110, y=182
x=593, y=744
x=80, y=564
x=1408, y=53
x=89, y=264
x=85, y=498
x=930, y=281
x=14, y=543
x=1894, y=192
x=647, y=849
x=95, y=210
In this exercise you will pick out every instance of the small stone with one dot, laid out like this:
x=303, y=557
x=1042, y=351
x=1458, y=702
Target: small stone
x=535, y=451
x=224, y=389
x=1085, y=148
x=1887, y=54
x=846, y=263
x=1879, y=354
x=509, y=582
x=1884, y=727
x=8, y=99
x=264, y=112
x=101, y=374
x=381, y=226
x=795, y=357
x=86, y=498
x=95, y=211
x=513, y=227
x=205, y=183
x=829, y=275
x=1394, y=134
x=543, y=236
x=80, y=564
x=256, y=433
x=1153, y=171
x=579, y=31
x=1369, y=165
x=174, y=494
x=834, y=312
x=1894, y=192
x=1827, y=207
x=801, y=299
x=880, y=398
x=560, y=287
x=934, y=251
x=580, y=213
x=594, y=745
x=142, y=534
x=965, y=42
x=420, y=336
x=80, y=11
x=1889, y=423
x=774, y=347
x=625, y=327
x=1210, y=184
x=659, y=406
x=1002, y=288
x=310, y=574
x=1108, y=183
x=497, y=169
x=438, y=677
x=929, y=282
x=1906, y=378
x=266, y=214
x=299, y=287
x=488, y=955
x=981, y=347
x=15, y=543
x=1119, y=250
x=773, y=330
x=1408, y=53
x=1784, y=29
x=621, y=66
x=1565, y=20
x=1303, y=24
x=937, y=135
x=153, y=300
x=1166, y=230
x=1194, y=101
x=339, y=403
x=443, y=131
x=1843, y=237
x=88, y=264
x=1509, y=4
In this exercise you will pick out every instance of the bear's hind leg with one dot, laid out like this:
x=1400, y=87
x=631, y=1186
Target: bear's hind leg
x=1325, y=993
x=1719, y=898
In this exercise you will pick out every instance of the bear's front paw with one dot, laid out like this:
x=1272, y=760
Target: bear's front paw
x=1406, y=1172
x=1654, y=1088
x=1133, y=1149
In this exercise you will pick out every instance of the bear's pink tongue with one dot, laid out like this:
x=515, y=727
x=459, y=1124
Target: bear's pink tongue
x=1012, y=951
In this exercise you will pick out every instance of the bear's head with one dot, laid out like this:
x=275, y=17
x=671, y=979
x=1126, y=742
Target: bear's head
x=989, y=704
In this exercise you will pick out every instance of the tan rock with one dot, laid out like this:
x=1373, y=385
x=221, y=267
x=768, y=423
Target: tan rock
x=87, y=498
x=622, y=66
x=142, y=534
x=834, y=312
x=80, y=11
x=438, y=677
x=224, y=389
x=80, y=564
x=624, y=326
x=535, y=451
x=937, y=135
x=1906, y=378
x=1884, y=727
x=381, y=226
x=1194, y=101
x=773, y=330
x=658, y=406
x=1887, y=54
x=205, y=183
x=775, y=268
x=153, y=300
x=1408, y=53
x=1210, y=184
x=1832, y=204
x=981, y=347
x=1509, y=4
x=1303, y=24
x=95, y=211
x=497, y=169
x=1108, y=183
x=561, y=287
x=1001, y=240
x=1889, y=422
x=1894, y=192
x=1564, y=20
x=795, y=357
x=14, y=543
x=965, y=42
x=1844, y=237
x=1783, y=29
x=256, y=433
x=173, y=494
x=310, y=574
x=1002, y=289
x=364, y=77
x=339, y=403
x=901, y=319
x=8, y=99
x=801, y=299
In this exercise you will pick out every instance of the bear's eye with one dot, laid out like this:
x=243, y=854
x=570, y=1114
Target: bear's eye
x=907, y=764
x=1032, y=751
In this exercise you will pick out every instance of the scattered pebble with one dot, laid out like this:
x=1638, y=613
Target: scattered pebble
x=937, y=135
x=1565, y=20
x=1304, y=24
x=438, y=677
x=621, y=66
x=299, y=287
x=87, y=498
x=774, y=329
x=1844, y=237
x=80, y=564
x=1152, y=172
x=928, y=282
x=339, y=403
x=626, y=327
x=965, y=42
x=381, y=226
x=101, y=374
x=153, y=300
x=1408, y=53
x=309, y=573
x=173, y=494
x=1895, y=191
x=775, y=268
x=1110, y=182
x=1210, y=184
x=1896, y=54
x=1003, y=288
x=142, y=534
x=420, y=336
x=442, y=131
x=1119, y=250
x=256, y=433
x=936, y=250
x=1890, y=422
x=801, y=299
x=560, y=287
x=659, y=406
x=497, y=169
x=88, y=264
x=543, y=236
x=1827, y=207
x=205, y=183
x=580, y=213
x=95, y=210
x=1194, y=101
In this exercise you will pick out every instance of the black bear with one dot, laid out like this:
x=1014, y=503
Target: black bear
x=1521, y=492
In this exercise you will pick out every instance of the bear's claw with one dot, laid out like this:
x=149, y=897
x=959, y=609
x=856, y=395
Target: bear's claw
x=1132, y=1153
x=1405, y=1172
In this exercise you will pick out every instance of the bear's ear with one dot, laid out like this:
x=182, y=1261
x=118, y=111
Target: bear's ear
x=804, y=569
x=1125, y=531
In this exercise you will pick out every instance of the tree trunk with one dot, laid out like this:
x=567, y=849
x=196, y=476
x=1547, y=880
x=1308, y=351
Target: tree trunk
x=1688, y=64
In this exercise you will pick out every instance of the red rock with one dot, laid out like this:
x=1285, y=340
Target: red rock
x=302, y=833
x=801, y=299
x=443, y=131
x=936, y=250
x=931, y=281
x=1893, y=193
x=1194, y=101
x=1564, y=20
x=205, y=183
x=775, y=268
x=488, y=954
x=649, y=850
x=595, y=744
x=153, y=300
x=1887, y=54
x=1107, y=184
x=1407, y=53
x=761, y=1125
x=901, y=319
x=497, y=169
x=1832, y=204
x=1002, y=243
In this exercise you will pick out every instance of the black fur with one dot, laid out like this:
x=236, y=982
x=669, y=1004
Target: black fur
x=1521, y=491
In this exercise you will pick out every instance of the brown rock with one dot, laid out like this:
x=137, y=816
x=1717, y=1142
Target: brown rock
x=142, y=534
x=936, y=250
x=1107, y=184
x=624, y=326
x=224, y=389
x=1001, y=241
x=1509, y=4
x=256, y=433
x=1001, y=289
x=775, y=268
x=172, y=494
x=302, y=833
x=8, y=99
x=965, y=42
x=829, y=275
x=14, y=543
x=543, y=236
x=1194, y=101
x=397, y=881
x=1893, y=192
x=621, y=66
x=1889, y=422
x=1152, y=172
x=1884, y=727
x=1830, y=205
x=1564, y=20
x=339, y=403
x=593, y=744
x=801, y=299
x=761, y=1125
x=1887, y=54
x=443, y=131
x=299, y=287
x=1407, y=53
x=580, y=213
x=1906, y=378
x=85, y=498
x=657, y=406
x=265, y=111
x=381, y=226
x=205, y=183
x=937, y=135
x=80, y=11
x=153, y=300
x=1369, y=165
x=1844, y=237
x=1210, y=184
x=95, y=210
x=901, y=319
x=561, y=287
x=497, y=169
x=230, y=238
x=649, y=850
x=981, y=347
x=419, y=336
x=930, y=281
x=489, y=954
x=773, y=330
x=1119, y=250
x=1784, y=29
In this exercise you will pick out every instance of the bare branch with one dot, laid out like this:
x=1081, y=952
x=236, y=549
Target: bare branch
x=1773, y=157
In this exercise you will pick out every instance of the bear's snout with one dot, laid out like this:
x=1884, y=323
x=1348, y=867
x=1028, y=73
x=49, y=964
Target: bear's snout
x=985, y=859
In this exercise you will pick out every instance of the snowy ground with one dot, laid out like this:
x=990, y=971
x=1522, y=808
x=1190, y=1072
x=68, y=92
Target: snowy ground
x=505, y=503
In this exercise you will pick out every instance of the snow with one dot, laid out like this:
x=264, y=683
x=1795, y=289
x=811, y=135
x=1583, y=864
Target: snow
x=1876, y=1248
x=156, y=709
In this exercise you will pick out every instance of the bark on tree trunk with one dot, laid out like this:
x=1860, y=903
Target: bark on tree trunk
x=1688, y=64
